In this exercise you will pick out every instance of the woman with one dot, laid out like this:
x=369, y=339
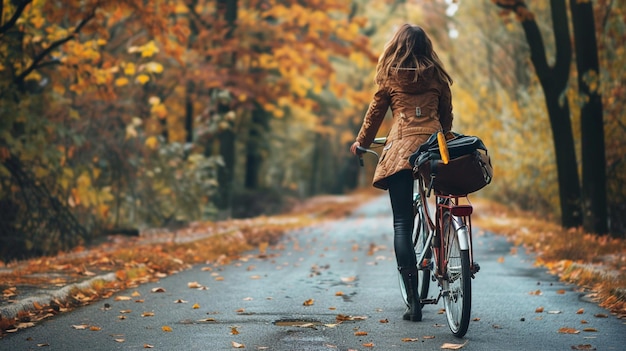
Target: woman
x=414, y=84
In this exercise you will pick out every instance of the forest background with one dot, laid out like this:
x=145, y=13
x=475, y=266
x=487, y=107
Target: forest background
x=119, y=116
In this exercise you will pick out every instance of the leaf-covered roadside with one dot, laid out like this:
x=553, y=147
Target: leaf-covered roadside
x=152, y=256
x=596, y=264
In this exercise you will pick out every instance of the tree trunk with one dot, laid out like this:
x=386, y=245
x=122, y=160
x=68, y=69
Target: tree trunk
x=594, y=203
x=554, y=83
x=254, y=147
x=226, y=9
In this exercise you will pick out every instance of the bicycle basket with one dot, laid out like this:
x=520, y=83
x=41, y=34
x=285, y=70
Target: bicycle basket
x=468, y=170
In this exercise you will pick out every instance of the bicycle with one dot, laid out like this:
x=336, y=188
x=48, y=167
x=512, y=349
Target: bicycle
x=443, y=250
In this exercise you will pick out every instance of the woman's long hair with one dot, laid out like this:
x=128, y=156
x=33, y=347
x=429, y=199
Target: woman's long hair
x=410, y=48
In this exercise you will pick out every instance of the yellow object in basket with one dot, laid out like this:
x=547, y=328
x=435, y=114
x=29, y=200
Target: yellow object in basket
x=443, y=148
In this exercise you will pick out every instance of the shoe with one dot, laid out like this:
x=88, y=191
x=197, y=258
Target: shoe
x=414, y=308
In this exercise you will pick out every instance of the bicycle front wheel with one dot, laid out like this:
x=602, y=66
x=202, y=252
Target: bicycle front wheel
x=420, y=236
x=457, y=285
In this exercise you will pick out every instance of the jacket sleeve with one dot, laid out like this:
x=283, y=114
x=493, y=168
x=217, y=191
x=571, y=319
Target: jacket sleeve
x=374, y=116
x=445, y=108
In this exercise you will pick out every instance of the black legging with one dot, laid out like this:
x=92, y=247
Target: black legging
x=401, y=196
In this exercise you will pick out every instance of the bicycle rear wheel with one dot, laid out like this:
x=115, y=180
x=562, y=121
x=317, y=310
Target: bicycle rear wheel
x=457, y=285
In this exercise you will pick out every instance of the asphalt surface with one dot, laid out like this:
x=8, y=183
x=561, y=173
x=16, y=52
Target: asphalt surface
x=293, y=297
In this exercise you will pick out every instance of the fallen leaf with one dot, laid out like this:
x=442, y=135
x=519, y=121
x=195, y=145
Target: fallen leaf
x=166, y=328
x=308, y=302
x=410, y=339
x=428, y=337
x=536, y=292
x=43, y=344
x=207, y=320
x=539, y=309
x=238, y=345
x=384, y=320
x=180, y=301
x=339, y=293
x=600, y=315
x=590, y=330
x=565, y=330
x=80, y=326
x=94, y=328
x=501, y=259
x=135, y=294
x=147, y=346
x=554, y=312
x=583, y=347
x=194, y=285
x=450, y=346
x=368, y=344
x=158, y=290
x=122, y=298
x=147, y=314
x=348, y=279
x=234, y=331
x=477, y=319
x=360, y=333
x=580, y=311
x=560, y=291
x=126, y=311
x=119, y=340
x=195, y=306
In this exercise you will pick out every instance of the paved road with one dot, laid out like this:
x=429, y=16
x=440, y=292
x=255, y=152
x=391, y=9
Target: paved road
x=290, y=299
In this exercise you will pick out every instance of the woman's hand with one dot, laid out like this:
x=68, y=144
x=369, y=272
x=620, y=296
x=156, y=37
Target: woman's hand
x=354, y=146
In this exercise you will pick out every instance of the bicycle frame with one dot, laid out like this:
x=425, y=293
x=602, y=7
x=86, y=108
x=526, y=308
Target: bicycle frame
x=460, y=220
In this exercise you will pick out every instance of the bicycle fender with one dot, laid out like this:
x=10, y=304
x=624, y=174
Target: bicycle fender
x=463, y=235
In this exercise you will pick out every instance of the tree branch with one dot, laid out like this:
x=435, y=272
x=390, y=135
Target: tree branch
x=18, y=12
x=37, y=59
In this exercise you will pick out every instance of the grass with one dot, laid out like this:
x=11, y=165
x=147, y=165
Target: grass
x=597, y=264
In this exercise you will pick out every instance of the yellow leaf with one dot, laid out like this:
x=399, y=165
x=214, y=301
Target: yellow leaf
x=195, y=306
x=120, y=82
x=152, y=142
x=166, y=328
x=129, y=69
x=154, y=67
x=142, y=79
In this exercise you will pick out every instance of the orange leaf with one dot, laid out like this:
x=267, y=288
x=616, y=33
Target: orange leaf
x=565, y=330
x=360, y=333
x=166, y=328
x=410, y=339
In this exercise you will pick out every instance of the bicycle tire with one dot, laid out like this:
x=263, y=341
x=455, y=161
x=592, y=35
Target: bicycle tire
x=457, y=285
x=420, y=235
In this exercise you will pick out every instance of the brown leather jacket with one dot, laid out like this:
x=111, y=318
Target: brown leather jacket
x=419, y=109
